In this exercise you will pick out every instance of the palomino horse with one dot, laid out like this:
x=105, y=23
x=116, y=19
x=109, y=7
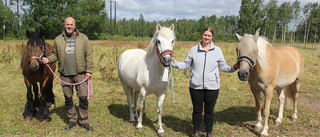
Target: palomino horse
x=267, y=68
x=34, y=71
x=146, y=72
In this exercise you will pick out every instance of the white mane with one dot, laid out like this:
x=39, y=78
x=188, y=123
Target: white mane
x=262, y=51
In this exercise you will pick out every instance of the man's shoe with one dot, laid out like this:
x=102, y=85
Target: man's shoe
x=70, y=125
x=87, y=127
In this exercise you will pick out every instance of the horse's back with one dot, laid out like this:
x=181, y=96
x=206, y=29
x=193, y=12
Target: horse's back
x=128, y=65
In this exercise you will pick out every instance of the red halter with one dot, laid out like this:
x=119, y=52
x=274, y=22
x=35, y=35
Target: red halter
x=164, y=52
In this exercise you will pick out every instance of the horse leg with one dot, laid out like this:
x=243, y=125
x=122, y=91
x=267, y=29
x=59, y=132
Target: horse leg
x=281, y=105
x=142, y=107
x=29, y=111
x=268, y=98
x=128, y=91
x=49, y=94
x=36, y=96
x=296, y=90
x=44, y=115
x=135, y=112
x=160, y=98
x=256, y=94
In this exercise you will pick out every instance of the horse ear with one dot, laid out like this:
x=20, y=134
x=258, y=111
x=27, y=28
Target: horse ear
x=28, y=34
x=238, y=36
x=172, y=27
x=256, y=36
x=158, y=27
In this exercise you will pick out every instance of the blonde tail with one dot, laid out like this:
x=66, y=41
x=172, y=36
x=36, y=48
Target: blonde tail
x=289, y=93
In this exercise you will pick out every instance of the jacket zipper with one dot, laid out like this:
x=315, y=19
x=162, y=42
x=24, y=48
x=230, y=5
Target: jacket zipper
x=204, y=68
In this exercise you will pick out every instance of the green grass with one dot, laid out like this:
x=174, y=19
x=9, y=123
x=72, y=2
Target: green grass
x=235, y=114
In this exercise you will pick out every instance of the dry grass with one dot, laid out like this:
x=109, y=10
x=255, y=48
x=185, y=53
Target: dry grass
x=108, y=111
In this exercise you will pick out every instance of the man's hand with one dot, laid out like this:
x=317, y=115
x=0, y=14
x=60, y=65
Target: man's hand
x=45, y=60
x=88, y=75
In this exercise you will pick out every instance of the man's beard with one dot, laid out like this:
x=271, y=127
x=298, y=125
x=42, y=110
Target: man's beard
x=70, y=32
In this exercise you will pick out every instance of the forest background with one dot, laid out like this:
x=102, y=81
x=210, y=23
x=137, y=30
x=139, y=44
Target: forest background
x=92, y=19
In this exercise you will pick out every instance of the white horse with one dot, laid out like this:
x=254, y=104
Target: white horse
x=146, y=73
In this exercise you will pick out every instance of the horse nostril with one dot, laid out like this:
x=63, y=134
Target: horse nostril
x=166, y=59
x=33, y=67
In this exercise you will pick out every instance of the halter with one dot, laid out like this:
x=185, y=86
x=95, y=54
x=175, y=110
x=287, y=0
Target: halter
x=165, y=52
x=248, y=60
x=43, y=50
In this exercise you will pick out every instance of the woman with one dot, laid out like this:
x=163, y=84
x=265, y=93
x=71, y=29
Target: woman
x=205, y=59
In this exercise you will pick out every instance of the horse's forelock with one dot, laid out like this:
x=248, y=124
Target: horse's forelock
x=35, y=39
x=166, y=33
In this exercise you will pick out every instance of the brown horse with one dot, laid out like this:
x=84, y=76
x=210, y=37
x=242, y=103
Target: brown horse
x=34, y=71
x=267, y=68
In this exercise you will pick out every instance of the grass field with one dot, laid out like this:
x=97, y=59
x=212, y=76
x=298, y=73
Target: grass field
x=235, y=113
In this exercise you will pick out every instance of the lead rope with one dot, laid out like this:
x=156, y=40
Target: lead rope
x=171, y=85
x=72, y=84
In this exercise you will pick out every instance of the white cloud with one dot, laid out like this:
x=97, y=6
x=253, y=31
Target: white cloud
x=155, y=10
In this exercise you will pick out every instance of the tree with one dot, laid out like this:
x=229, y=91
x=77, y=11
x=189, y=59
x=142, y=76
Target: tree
x=296, y=15
x=8, y=21
x=92, y=18
x=251, y=15
x=49, y=16
x=284, y=18
x=141, y=26
x=270, y=21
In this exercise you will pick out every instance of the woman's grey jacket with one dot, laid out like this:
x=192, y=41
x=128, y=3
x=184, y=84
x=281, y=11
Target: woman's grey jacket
x=205, y=67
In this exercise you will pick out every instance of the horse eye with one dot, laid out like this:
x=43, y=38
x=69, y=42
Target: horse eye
x=172, y=41
x=158, y=41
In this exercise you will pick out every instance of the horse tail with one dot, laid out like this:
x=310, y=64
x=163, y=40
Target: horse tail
x=290, y=94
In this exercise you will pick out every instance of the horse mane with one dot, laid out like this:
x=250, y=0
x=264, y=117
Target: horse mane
x=262, y=51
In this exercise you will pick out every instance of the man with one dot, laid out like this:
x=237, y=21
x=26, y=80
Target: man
x=75, y=63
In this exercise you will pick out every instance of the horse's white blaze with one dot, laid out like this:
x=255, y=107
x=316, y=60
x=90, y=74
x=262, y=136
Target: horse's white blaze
x=143, y=72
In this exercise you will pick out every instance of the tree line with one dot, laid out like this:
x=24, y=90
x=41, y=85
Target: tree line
x=288, y=22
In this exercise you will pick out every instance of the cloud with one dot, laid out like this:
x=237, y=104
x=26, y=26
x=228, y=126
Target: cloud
x=157, y=10
x=179, y=9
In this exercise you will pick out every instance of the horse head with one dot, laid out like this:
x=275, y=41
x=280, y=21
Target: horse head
x=247, y=52
x=35, y=50
x=164, y=41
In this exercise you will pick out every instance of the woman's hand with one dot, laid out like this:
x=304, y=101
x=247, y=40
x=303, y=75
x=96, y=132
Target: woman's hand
x=236, y=66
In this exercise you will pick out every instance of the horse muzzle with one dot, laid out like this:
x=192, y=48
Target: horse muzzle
x=243, y=74
x=33, y=65
x=166, y=59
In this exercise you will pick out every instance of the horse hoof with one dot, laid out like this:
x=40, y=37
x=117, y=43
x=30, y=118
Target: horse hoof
x=28, y=118
x=256, y=128
x=161, y=135
x=50, y=105
x=294, y=119
x=263, y=135
x=277, y=123
x=37, y=109
x=140, y=128
x=44, y=122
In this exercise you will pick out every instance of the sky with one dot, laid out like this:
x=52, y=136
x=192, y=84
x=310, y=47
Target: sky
x=161, y=10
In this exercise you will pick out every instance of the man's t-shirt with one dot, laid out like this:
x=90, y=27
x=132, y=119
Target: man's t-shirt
x=69, y=67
